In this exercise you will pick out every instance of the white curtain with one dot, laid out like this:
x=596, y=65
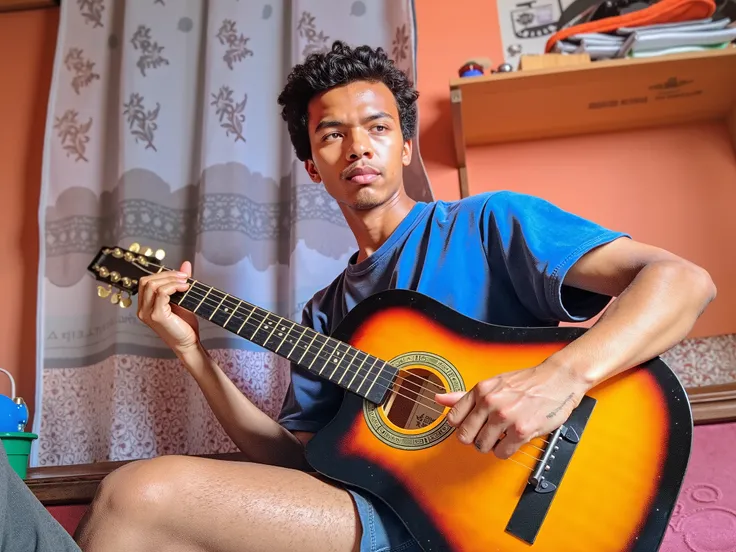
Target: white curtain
x=163, y=129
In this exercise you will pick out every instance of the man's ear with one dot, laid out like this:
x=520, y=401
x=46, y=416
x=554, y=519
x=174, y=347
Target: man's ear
x=312, y=171
x=406, y=153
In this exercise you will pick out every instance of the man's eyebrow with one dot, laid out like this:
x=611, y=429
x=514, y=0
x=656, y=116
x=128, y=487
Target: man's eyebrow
x=368, y=119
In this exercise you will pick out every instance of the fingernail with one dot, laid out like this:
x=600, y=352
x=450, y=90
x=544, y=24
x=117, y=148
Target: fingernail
x=182, y=274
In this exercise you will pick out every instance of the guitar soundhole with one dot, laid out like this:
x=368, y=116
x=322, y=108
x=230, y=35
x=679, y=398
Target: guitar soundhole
x=412, y=405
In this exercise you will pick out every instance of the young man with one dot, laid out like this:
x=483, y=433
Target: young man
x=502, y=257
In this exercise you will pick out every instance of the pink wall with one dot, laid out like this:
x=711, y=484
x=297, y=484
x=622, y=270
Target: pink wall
x=674, y=188
x=27, y=44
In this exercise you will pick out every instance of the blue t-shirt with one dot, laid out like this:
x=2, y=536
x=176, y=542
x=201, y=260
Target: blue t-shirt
x=499, y=257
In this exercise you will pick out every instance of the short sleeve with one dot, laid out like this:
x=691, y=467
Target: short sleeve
x=536, y=243
x=310, y=402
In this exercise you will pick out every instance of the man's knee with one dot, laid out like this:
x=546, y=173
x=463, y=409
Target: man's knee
x=141, y=490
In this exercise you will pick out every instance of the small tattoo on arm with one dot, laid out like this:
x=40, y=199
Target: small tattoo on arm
x=556, y=410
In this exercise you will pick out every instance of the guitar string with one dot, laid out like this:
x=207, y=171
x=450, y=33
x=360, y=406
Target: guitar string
x=348, y=370
x=419, y=388
x=385, y=387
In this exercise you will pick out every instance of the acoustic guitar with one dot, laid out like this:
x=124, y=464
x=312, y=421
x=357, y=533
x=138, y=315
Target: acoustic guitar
x=604, y=481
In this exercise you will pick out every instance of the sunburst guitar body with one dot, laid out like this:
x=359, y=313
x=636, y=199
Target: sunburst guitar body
x=605, y=481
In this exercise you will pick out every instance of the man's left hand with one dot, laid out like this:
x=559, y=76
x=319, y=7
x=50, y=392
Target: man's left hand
x=514, y=407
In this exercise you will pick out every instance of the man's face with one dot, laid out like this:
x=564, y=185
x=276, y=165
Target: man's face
x=358, y=151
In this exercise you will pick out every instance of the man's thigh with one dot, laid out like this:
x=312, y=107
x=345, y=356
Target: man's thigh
x=225, y=506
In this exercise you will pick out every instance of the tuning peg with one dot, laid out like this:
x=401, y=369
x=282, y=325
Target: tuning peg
x=121, y=299
x=160, y=254
x=125, y=300
x=103, y=291
x=148, y=252
x=134, y=247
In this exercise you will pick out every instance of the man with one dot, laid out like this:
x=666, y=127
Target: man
x=504, y=258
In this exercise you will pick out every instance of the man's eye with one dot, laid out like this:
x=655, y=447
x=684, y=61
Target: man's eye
x=332, y=135
x=380, y=128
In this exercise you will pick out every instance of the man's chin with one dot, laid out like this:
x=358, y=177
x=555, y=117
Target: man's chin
x=365, y=200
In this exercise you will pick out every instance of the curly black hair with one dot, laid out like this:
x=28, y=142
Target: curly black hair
x=340, y=66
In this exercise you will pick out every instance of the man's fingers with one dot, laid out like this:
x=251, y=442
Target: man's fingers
x=186, y=268
x=460, y=408
x=164, y=292
x=155, y=287
x=449, y=399
x=472, y=424
x=516, y=436
x=489, y=435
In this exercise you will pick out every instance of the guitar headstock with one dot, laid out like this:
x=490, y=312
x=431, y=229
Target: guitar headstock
x=122, y=269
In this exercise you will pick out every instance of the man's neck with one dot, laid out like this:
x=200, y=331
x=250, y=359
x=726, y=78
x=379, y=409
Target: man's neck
x=374, y=226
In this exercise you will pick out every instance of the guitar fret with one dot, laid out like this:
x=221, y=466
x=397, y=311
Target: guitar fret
x=265, y=341
x=307, y=348
x=231, y=314
x=218, y=306
x=246, y=319
x=315, y=357
x=187, y=292
x=334, y=358
x=224, y=312
x=368, y=372
x=286, y=334
x=355, y=354
x=339, y=364
x=378, y=373
x=202, y=301
x=350, y=383
x=298, y=339
x=259, y=325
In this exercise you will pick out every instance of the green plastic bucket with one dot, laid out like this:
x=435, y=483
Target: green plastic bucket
x=18, y=448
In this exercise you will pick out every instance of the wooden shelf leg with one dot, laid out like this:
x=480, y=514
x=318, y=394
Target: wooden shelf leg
x=456, y=102
x=732, y=128
x=463, y=176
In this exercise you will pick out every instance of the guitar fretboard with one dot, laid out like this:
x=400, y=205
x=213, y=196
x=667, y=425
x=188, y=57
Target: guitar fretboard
x=327, y=358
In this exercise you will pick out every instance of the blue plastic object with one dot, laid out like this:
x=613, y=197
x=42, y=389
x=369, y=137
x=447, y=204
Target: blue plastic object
x=13, y=410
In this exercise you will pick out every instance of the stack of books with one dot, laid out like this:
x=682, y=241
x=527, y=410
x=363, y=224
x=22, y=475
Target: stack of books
x=652, y=40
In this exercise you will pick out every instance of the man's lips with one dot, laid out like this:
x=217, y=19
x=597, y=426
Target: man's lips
x=366, y=178
x=363, y=175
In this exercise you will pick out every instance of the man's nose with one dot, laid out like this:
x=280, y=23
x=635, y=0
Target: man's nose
x=359, y=147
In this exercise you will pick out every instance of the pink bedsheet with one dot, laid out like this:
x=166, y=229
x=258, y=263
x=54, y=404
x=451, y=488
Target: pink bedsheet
x=704, y=519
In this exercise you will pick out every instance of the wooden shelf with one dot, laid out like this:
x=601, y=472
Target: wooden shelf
x=601, y=96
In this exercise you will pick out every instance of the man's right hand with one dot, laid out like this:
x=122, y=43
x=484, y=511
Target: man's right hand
x=177, y=327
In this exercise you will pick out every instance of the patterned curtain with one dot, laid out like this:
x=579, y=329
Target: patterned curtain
x=163, y=129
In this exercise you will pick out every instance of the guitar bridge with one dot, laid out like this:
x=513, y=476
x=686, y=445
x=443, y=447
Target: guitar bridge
x=535, y=501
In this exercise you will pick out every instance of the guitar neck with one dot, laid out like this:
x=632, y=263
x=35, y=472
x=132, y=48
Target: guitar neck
x=323, y=356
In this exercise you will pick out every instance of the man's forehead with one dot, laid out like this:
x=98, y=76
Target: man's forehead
x=353, y=101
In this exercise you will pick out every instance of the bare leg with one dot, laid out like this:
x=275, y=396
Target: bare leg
x=194, y=505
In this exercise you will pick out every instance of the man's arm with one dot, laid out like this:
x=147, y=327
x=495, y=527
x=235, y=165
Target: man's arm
x=659, y=296
x=259, y=437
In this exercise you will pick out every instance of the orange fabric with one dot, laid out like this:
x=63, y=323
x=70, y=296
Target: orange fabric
x=664, y=11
